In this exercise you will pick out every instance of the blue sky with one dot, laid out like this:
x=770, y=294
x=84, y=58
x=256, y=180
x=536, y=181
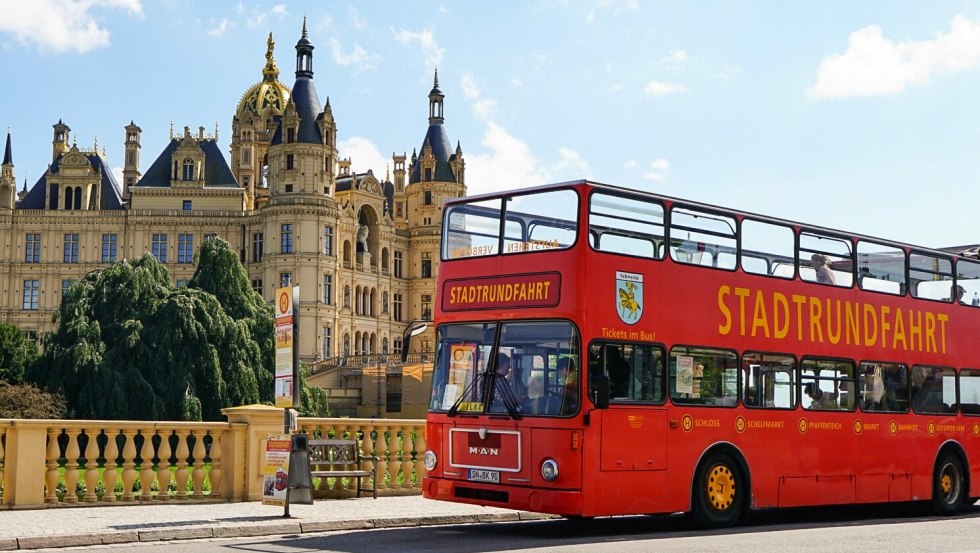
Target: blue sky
x=855, y=115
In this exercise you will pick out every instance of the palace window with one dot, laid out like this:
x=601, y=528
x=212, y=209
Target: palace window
x=286, y=239
x=32, y=291
x=188, y=169
x=257, y=285
x=257, y=246
x=185, y=248
x=327, y=240
x=285, y=279
x=109, y=242
x=398, y=264
x=328, y=289
x=32, y=250
x=397, y=307
x=426, y=307
x=325, y=342
x=426, y=265
x=427, y=195
x=71, y=248
x=159, y=248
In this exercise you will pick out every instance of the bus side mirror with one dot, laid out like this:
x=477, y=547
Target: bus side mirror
x=413, y=330
x=600, y=383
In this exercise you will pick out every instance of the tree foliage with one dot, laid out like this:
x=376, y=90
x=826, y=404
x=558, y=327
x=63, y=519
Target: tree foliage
x=131, y=346
x=26, y=401
x=17, y=353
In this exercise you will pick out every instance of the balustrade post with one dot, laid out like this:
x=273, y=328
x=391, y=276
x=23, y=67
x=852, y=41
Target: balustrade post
x=163, y=467
x=197, y=476
x=146, y=465
x=51, y=462
x=406, y=452
x=381, y=450
x=214, y=475
x=109, y=474
x=71, y=466
x=91, y=465
x=129, y=465
x=2, y=458
x=419, y=452
x=183, y=451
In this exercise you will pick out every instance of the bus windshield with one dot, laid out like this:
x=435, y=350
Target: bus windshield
x=518, y=368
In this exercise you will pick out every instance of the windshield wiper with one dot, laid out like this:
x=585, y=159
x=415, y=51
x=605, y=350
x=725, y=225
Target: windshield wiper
x=466, y=392
x=502, y=389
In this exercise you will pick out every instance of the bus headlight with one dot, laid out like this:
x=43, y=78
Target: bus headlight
x=429, y=459
x=549, y=470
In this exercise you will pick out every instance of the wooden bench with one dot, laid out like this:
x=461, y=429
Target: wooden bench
x=342, y=458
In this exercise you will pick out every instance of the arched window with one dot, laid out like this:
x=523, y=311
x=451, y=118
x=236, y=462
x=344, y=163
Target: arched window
x=69, y=196
x=188, y=169
x=78, y=198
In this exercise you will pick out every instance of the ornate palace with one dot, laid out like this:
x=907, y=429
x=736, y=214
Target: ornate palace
x=363, y=249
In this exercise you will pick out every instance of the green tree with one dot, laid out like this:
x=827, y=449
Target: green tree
x=313, y=399
x=17, y=354
x=131, y=346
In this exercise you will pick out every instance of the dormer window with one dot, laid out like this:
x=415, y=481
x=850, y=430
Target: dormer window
x=290, y=136
x=188, y=169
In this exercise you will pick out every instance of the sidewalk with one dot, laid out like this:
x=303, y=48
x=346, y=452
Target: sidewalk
x=82, y=525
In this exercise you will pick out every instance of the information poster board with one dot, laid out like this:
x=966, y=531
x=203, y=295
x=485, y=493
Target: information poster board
x=275, y=473
x=285, y=387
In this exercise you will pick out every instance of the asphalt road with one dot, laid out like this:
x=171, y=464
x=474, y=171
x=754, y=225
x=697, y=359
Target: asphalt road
x=827, y=530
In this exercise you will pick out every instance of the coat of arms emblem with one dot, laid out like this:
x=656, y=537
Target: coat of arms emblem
x=629, y=296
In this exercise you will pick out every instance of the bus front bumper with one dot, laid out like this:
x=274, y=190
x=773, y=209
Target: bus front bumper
x=539, y=500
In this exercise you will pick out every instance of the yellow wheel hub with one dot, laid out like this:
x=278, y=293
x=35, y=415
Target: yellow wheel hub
x=946, y=483
x=720, y=487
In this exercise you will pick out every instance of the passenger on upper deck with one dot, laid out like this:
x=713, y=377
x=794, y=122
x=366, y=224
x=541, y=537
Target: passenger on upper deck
x=824, y=274
x=820, y=399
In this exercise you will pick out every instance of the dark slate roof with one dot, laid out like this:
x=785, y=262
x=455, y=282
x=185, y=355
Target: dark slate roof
x=308, y=109
x=343, y=184
x=217, y=173
x=389, y=189
x=8, y=156
x=109, y=196
x=437, y=138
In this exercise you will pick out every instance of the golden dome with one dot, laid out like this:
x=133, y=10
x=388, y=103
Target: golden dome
x=267, y=95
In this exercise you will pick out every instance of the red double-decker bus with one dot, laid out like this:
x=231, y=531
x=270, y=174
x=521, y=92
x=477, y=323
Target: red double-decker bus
x=605, y=351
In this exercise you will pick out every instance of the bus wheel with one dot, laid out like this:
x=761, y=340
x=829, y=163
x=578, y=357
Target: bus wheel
x=948, y=485
x=719, y=492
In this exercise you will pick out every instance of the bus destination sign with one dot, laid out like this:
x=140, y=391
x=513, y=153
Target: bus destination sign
x=523, y=290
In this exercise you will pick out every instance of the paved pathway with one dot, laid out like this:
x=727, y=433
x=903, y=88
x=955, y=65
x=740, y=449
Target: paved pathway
x=173, y=520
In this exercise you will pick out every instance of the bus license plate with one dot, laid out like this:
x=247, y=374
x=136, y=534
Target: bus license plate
x=484, y=475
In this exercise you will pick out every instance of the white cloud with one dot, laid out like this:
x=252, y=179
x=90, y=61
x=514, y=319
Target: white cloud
x=630, y=163
x=676, y=58
x=657, y=88
x=483, y=108
x=221, y=28
x=258, y=17
x=117, y=172
x=356, y=19
x=728, y=73
x=364, y=155
x=874, y=65
x=657, y=169
x=425, y=40
x=61, y=25
x=360, y=58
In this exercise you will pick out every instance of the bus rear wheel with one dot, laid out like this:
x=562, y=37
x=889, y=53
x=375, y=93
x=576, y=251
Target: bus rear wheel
x=719, y=492
x=948, y=485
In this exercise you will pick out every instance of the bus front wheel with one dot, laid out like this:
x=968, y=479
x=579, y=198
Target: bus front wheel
x=948, y=485
x=720, y=490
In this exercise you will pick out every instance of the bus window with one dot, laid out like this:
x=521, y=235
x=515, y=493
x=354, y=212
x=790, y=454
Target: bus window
x=970, y=391
x=930, y=276
x=881, y=268
x=541, y=221
x=933, y=389
x=703, y=376
x=825, y=259
x=767, y=247
x=968, y=276
x=472, y=230
x=702, y=238
x=884, y=387
x=461, y=353
x=626, y=226
x=827, y=384
x=635, y=371
x=534, y=347
x=768, y=380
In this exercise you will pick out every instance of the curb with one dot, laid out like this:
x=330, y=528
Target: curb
x=265, y=529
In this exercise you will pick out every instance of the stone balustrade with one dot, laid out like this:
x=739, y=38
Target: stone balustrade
x=73, y=462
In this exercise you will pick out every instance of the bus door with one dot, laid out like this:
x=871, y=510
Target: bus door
x=633, y=431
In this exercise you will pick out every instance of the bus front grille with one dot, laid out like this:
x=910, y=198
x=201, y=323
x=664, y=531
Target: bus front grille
x=485, y=495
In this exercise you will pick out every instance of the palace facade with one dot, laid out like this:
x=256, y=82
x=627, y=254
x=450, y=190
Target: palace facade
x=364, y=250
